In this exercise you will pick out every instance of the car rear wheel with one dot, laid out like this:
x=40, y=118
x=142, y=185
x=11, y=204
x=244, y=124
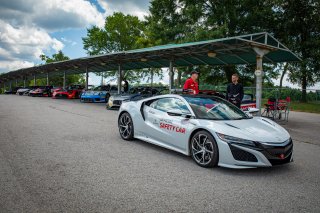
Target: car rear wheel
x=125, y=126
x=204, y=149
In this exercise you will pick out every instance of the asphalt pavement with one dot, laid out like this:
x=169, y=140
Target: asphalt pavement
x=67, y=156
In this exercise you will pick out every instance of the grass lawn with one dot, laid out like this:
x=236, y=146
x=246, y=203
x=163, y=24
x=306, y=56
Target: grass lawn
x=313, y=107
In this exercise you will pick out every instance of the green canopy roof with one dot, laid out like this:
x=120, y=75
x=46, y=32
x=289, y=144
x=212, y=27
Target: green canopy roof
x=225, y=51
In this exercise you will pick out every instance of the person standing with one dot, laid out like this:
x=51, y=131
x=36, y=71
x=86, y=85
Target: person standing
x=235, y=91
x=191, y=83
x=125, y=86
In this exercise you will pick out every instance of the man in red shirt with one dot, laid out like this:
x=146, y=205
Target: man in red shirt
x=191, y=83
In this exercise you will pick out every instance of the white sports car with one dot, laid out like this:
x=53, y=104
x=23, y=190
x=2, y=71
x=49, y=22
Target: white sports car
x=210, y=129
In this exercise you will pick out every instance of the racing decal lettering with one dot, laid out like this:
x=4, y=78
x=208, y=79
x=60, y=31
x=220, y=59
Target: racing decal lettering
x=166, y=120
x=172, y=128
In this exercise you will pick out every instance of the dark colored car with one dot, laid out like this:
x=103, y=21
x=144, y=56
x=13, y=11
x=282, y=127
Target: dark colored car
x=135, y=93
x=12, y=91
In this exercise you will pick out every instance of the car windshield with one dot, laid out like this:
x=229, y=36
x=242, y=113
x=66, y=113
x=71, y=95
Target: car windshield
x=102, y=88
x=214, y=108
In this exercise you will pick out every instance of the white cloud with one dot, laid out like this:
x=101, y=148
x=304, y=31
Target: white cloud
x=52, y=15
x=25, y=27
x=24, y=44
x=65, y=40
x=134, y=7
x=15, y=64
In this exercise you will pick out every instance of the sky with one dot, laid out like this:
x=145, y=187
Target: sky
x=29, y=28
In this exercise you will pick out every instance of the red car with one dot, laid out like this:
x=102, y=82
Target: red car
x=72, y=92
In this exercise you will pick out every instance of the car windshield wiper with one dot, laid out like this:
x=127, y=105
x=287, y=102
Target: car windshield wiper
x=241, y=118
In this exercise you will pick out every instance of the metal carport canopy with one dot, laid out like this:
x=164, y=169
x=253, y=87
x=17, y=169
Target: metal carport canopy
x=247, y=49
x=233, y=50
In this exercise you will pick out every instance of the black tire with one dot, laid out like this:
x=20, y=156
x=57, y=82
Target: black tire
x=125, y=126
x=204, y=149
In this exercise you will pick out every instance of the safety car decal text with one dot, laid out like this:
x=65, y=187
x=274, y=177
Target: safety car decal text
x=172, y=128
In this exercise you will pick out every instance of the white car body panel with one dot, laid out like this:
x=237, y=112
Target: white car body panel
x=177, y=137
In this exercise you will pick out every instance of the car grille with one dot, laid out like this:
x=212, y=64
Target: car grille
x=278, y=154
x=117, y=102
x=61, y=96
x=87, y=100
x=242, y=155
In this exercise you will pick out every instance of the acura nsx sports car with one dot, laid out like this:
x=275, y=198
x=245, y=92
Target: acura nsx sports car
x=209, y=128
x=99, y=94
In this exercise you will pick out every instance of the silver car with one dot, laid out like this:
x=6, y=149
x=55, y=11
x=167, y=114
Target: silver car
x=210, y=129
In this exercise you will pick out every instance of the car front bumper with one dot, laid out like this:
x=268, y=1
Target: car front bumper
x=114, y=104
x=263, y=155
x=92, y=99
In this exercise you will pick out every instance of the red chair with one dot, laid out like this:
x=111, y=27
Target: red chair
x=270, y=109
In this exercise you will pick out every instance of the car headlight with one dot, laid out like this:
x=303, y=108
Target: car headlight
x=231, y=139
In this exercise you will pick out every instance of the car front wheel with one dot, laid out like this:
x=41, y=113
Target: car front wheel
x=125, y=126
x=204, y=149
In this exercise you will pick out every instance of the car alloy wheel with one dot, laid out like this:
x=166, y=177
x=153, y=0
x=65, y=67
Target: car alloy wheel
x=125, y=125
x=204, y=149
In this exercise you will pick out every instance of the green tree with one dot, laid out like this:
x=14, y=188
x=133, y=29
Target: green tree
x=121, y=32
x=193, y=20
x=299, y=26
x=58, y=80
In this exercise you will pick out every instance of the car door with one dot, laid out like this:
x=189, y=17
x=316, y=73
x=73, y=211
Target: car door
x=167, y=129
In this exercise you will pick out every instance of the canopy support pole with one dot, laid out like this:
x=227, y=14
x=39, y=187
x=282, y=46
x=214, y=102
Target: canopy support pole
x=64, y=79
x=47, y=78
x=24, y=82
x=87, y=78
x=10, y=85
x=119, y=78
x=16, y=82
x=151, y=78
x=171, y=76
x=102, y=78
x=34, y=80
x=259, y=75
x=4, y=87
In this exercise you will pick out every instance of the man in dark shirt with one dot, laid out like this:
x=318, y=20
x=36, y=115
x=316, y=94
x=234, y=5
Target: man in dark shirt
x=235, y=91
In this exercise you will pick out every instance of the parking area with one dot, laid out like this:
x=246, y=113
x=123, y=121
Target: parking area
x=67, y=156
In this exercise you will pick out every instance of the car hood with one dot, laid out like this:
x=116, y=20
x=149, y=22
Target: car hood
x=94, y=92
x=256, y=129
x=123, y=97
x=23, y=90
